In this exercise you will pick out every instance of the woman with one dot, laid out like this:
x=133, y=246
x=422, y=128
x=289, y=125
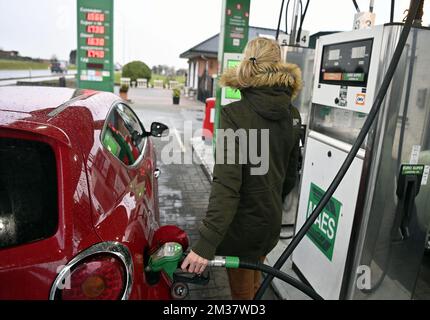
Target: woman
x=245, y=209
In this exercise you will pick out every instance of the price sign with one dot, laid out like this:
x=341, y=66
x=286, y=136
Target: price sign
x=95, y=45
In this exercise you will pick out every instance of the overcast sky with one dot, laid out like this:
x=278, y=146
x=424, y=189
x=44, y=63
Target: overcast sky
x=158, y=31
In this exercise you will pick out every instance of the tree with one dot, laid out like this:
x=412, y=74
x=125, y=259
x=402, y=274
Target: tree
x=136, y=70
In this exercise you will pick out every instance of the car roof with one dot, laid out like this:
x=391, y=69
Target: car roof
x=49, y=102
x=30, y=99
x=32, y=108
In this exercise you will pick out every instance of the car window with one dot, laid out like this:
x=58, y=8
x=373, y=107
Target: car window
x=28, y=192
x=124, y=135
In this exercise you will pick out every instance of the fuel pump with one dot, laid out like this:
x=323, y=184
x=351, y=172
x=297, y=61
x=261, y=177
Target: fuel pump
x=349, y=67
x=295, y=49
x=334, y=234
x=304, y=58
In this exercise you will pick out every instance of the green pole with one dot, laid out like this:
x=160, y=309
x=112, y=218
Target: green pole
x=232, y=41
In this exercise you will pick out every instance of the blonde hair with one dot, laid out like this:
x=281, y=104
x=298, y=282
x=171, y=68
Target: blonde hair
x=262, y=65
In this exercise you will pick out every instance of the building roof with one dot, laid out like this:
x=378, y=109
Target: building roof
x=209, y=47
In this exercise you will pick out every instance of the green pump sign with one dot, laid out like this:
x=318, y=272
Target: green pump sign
x=235, y=25
x=233, y=39
x=323, y=231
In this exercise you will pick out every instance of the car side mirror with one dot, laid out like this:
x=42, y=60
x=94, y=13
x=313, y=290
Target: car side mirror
x=159, y=129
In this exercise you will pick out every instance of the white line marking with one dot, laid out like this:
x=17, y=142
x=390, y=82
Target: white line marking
x=178, y=137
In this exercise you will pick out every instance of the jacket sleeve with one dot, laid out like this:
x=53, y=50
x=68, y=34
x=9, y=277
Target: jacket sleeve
x=293, y=161
x=224, y=197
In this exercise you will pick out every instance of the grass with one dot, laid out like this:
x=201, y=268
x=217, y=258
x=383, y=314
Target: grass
x=180, y=79
x=6, y=64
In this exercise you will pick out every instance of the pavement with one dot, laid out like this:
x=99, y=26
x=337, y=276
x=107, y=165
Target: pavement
x=183, y=188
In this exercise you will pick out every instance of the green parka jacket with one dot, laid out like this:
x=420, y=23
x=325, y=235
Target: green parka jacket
x=245, y=210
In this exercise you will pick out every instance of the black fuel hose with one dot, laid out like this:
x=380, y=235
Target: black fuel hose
x=280, y=19
x=356, y=5
x=281, y=275
x=302, y=19
x=413, y=10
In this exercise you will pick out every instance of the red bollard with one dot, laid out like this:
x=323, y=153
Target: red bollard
x=208, y=123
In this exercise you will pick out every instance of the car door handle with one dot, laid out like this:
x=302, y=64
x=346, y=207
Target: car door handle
x=157, y=173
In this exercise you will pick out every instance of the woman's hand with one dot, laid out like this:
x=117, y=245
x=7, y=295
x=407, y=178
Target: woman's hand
x=194, y=263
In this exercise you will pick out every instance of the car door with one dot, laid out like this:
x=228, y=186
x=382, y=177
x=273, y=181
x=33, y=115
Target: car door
x=142, y=170
x=125, y=142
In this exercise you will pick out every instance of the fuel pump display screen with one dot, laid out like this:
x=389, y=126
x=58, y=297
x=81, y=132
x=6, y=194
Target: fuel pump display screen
x=346, y=63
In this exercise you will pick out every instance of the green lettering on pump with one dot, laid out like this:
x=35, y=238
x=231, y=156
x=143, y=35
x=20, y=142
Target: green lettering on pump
x=331, y=228
x=323, y=231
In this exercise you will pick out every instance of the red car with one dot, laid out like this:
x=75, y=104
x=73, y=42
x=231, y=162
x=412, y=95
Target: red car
x=78, y=197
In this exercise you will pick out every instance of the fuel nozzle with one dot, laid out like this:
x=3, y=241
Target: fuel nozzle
x=169, y=255
x=166, y=259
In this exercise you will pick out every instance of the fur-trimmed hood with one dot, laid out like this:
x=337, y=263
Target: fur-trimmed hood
x=280, y=75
